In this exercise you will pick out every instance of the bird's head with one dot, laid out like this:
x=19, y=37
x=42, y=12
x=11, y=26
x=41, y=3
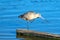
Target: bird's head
x=37, y=15
x=41, y=17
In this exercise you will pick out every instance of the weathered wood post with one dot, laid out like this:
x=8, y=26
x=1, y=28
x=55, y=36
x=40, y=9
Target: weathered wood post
x=34, y=34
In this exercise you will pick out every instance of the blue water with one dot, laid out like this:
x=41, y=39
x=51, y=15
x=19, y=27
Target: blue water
x=11, y=9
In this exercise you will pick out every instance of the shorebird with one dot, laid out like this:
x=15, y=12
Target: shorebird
x=29, y=16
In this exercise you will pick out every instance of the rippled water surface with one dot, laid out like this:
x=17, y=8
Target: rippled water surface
x=11, y=9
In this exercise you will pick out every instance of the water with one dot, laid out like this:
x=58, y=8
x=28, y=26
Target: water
x=11, y=9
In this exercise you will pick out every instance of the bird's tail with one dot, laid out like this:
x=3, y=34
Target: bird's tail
x=20, y=16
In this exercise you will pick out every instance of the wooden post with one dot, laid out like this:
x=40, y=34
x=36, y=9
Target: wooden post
x=34, y=34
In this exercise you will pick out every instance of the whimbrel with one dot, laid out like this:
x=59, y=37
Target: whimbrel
x=31, y=16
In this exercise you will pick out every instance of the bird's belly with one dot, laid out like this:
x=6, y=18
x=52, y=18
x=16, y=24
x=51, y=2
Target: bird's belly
x=30, y=18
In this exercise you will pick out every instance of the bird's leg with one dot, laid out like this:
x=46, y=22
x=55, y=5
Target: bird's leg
x=27, y=25
x=31, y=21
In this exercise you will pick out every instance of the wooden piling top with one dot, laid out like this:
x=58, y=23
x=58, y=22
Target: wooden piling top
x=41, y=34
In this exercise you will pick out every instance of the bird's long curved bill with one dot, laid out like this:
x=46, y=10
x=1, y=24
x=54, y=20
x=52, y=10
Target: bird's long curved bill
x=45, y=20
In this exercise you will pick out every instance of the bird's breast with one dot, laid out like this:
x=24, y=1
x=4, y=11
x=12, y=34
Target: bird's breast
x=31, y=17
